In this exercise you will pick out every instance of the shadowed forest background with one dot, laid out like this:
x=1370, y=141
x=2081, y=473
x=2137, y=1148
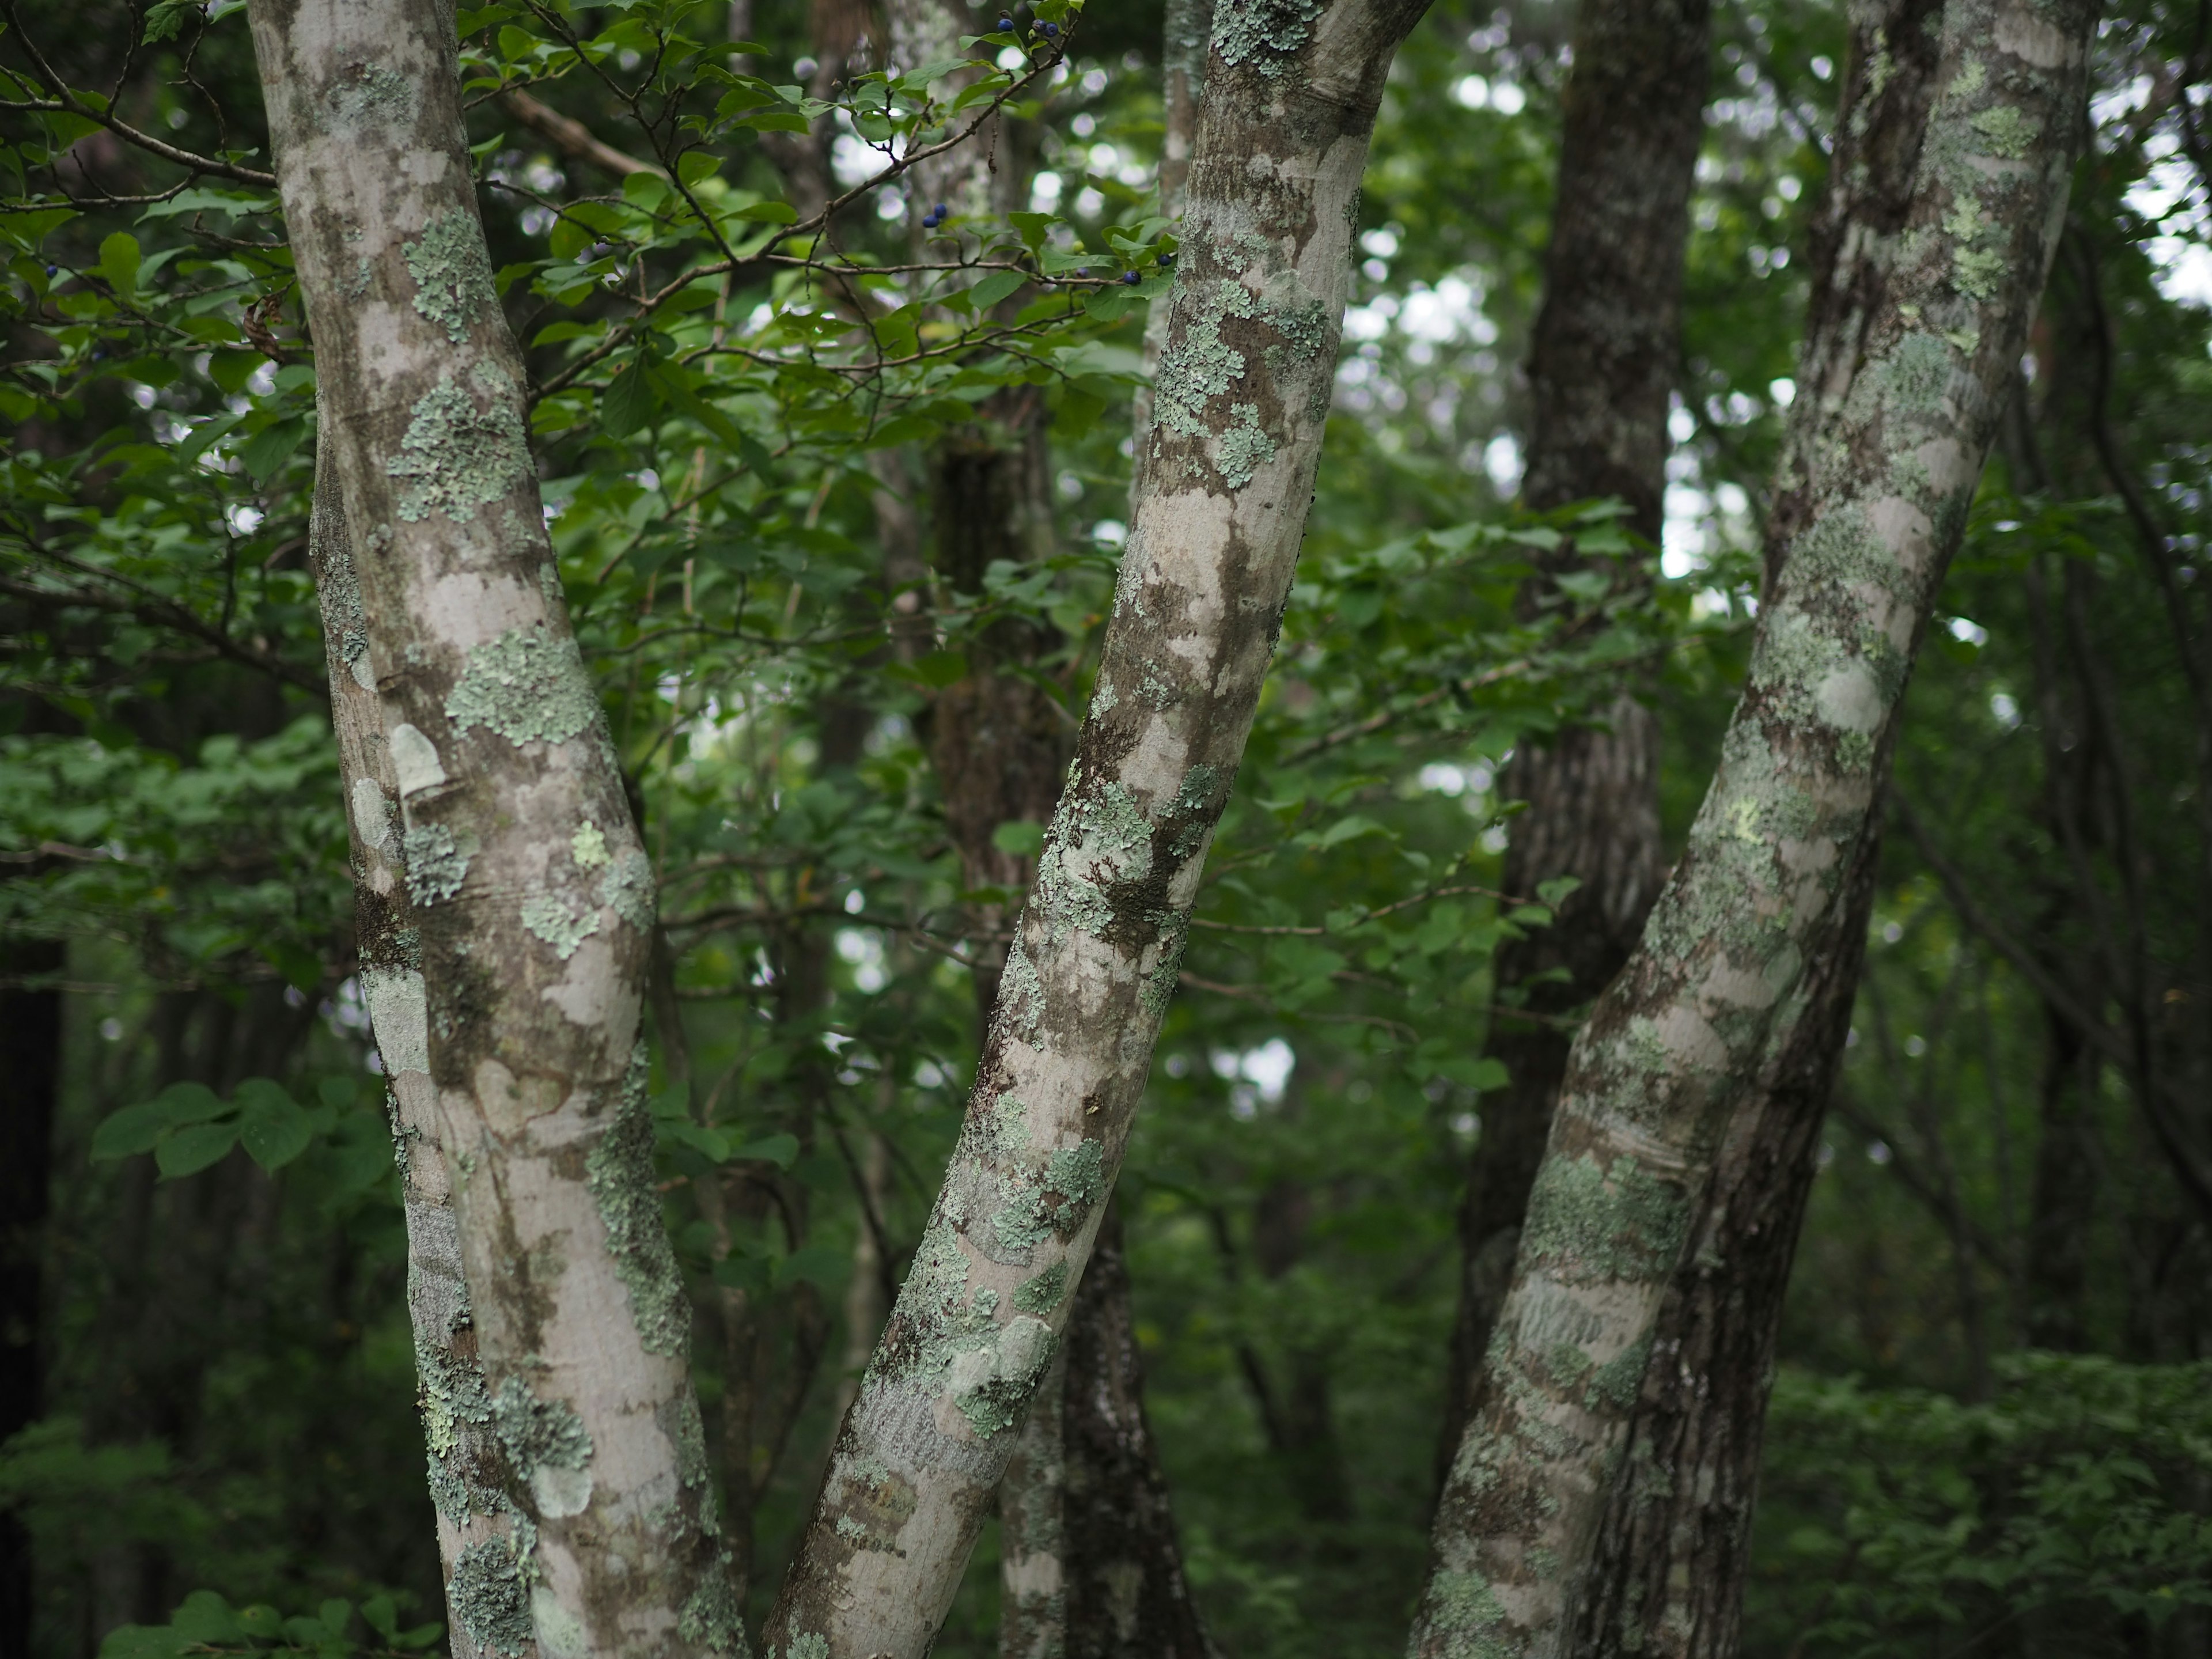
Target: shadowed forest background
x=1992, y=1421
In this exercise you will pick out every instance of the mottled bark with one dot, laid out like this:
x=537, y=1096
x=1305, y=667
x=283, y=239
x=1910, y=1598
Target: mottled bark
x=1244, y=391
x=30, y=1090
x=1666, y=1207
x=1603, y=363
x=467, y=1468
x=532, y=900
x=1089, y=1562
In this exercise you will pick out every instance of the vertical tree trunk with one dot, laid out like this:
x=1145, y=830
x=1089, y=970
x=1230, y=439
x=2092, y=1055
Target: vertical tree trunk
x=1243, y=391
x=30, y=1093
x=1602, y=364
x=532, y=899
x=1598, y=1500
x=467, y=1469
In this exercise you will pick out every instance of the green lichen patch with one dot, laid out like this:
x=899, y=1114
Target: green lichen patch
x=1014, y=1360
x=710, y=1617
x=1098, y=839
x=1615, y=1385
x=459, y=457
x=1245, y=446
x=1160, y=984
x=555, y=919
x=1590, y=1224
x=620, y=1174
x=1265, y=33
x=630, y=890
x=1021, y=996
x=1198, y=365
x=437, y=862
x=1919, y=372
x=538, y=1433
x=371, y=92
x=453, y=275
x=527, y=683
x=588, y=847
x=1077, y=1175
x=1041, y=1294
x=490, y=1591
x=1463, y=1607
x=1009, y=1127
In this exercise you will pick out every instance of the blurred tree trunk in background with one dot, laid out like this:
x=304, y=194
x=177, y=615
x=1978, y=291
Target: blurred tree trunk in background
x=1603, y=366
x=30, y=1092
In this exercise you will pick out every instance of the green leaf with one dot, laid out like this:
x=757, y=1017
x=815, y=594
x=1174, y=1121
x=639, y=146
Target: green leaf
x=939, y=669
x=994, y=288
x=629, y=403
x=820, y=1264
x=780, y=1149
x=273, y=1127
x=1554, y=892
x=231, y=369
x=336, y=1616
x=118, y=262
x=770, y=213
x=137, y=1128
x=270, y=448
x=1022, y=837
x=190, y=1151
x=165, y=19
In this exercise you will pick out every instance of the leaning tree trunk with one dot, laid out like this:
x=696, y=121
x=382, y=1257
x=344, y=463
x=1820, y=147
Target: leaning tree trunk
x=468, y=1472
x=1601, y=366
x=1244, y=391
x=1590, y=1502
x=532, y=899
x=1091, y=1565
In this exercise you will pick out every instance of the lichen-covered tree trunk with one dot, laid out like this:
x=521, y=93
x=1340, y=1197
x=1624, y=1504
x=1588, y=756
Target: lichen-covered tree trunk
x=1602, y=362
x=1243, y=391
x=1090, y=1566
x=1692, y=1086
x=532, y=900
x=467, y=1468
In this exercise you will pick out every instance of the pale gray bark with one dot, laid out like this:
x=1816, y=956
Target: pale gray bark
x=1904, y=378
x=532, y=897
x=1244, y=391
x=467, y=1469
x=1131, y=1587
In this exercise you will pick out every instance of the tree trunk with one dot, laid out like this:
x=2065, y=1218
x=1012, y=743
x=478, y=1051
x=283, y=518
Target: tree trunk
x=1244, y=391
x=468, y=1471
x=1602, y=364
x=1089, y=1561
x=1667, y=1205
x=532, y=897
x=30, y=1092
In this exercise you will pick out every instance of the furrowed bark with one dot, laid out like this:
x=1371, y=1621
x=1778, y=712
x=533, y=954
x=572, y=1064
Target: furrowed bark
x=1601, y=366
x=1243, y=390
x=1699, y=1080
x=532, y=897
x=467, y=1469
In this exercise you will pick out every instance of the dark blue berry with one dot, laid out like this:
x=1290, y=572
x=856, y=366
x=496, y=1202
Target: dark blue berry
x=943, y=213
x=1006, y=24
x=1050, y=28
x=1166, y=259
x=50, y=270
x=1131, y=277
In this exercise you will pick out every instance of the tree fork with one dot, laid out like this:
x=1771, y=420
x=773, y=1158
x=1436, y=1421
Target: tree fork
x=532, y=899
x=1700, y=1077
x=1243, y=391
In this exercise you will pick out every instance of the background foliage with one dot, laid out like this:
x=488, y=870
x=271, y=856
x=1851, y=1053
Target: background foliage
x=1990, y=1431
